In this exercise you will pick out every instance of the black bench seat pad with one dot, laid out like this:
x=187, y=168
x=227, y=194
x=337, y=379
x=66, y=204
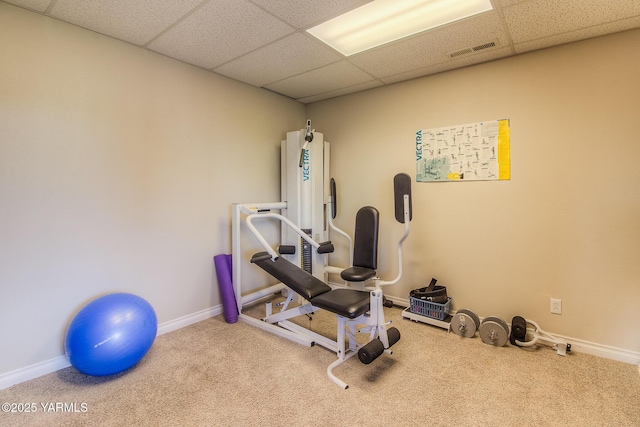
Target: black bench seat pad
x=344, y=302
x=357, y=274
x=291, y=275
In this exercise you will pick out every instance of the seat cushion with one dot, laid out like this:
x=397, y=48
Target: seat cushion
x=344, y=302
x=357, y=274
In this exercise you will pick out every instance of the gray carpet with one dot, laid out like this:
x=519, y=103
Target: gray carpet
x=218, y=374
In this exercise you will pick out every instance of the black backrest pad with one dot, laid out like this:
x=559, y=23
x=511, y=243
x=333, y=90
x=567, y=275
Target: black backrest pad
x=294, y=277
x=365, y=244
x=402, y=186
x=334, y=197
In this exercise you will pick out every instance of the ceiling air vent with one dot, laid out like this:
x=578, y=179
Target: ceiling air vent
x=468, y=50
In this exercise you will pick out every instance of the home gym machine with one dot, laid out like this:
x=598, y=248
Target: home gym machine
x=300, y=262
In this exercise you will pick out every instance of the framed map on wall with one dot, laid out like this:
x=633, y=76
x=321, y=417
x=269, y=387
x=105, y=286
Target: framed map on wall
x=470, y=152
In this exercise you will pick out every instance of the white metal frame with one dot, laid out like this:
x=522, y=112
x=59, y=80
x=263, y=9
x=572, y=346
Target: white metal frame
x=304, y=188
x=558, y=344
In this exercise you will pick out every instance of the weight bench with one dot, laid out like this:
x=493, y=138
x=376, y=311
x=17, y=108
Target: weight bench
x=351, y=307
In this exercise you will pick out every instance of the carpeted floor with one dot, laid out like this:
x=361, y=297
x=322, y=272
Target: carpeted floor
x=218, y=374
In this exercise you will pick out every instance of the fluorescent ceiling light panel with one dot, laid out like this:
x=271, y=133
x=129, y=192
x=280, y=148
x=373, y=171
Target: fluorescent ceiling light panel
x=384, y=21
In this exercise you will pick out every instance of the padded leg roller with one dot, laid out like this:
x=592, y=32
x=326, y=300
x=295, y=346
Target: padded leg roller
x=370, y=352
x=393, y=334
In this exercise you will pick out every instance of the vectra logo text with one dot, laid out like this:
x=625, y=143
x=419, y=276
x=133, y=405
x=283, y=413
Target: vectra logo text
x=305, y=166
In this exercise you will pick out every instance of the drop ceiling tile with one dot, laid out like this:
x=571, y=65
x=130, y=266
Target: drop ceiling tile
x=136, y=22
x=332, y=94
x=37, y=5
x=304, y=14
x=264, y=43
x=460, y=62
x=220, y=31
x=552, y=17
x=283, y=58
x=595, y=31
x=330, y=77
x=431, y=47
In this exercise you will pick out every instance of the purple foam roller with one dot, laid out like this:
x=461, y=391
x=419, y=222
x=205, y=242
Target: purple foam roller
x=223, y=271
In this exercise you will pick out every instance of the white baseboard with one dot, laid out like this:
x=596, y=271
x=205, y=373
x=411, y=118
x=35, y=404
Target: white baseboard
x=34, y=371
x=605, y=351
x=48, y=366
x=189, y=319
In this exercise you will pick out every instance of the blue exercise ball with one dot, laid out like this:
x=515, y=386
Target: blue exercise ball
x=111, y=334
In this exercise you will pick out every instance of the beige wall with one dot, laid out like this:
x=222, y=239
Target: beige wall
x=118, y=167
x=567, y=224
x=117, y=171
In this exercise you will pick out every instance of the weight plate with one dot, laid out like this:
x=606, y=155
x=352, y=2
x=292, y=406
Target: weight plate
x=465, y=323
x=494, y=331
x=473, y=315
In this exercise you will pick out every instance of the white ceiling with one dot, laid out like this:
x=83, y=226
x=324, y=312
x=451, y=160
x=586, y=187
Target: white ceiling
x=264, y=43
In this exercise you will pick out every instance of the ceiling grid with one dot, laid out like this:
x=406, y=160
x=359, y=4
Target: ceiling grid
x=264, y=43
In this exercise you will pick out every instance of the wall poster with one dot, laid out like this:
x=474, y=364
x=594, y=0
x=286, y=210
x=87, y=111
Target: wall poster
x=471, y=152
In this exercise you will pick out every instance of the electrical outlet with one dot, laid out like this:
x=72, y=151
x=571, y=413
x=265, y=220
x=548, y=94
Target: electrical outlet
x=556, y=306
